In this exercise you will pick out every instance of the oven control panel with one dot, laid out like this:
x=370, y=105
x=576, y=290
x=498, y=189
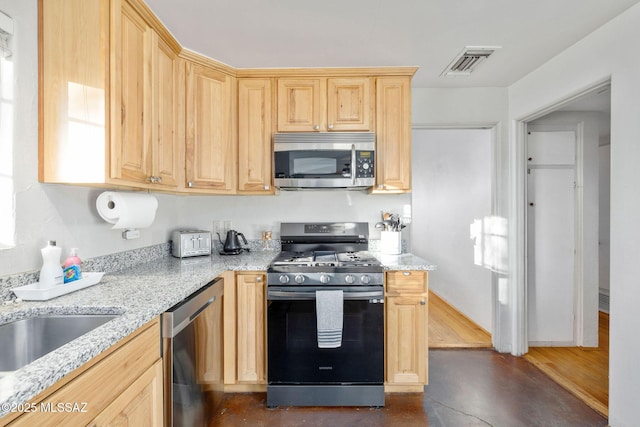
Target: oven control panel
x=325, y=278
x=364, y=164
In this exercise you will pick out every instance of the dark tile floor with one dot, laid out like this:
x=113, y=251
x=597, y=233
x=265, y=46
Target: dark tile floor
x=466, y=388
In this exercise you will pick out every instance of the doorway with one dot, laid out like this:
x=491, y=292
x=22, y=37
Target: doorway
x=583, y=368
x=453, y=191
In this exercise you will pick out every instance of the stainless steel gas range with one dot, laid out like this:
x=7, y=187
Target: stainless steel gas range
x=325, y=318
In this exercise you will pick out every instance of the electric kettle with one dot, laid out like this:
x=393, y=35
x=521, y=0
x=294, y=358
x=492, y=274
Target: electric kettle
x=231, y=245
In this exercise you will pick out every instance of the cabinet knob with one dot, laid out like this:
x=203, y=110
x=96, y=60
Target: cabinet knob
x=406, y=273
x=158, y=179
x=423, y=302
x=153, y=179
x=330, y=126
x=259, y=279
x=266, y=187
x=380, y=186
x=190, y=184
x=316, y=127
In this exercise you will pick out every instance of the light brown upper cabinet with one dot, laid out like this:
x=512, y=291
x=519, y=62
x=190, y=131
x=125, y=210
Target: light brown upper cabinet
x=211, y=149
x=325, y=104
x=147, y=89
x=109, y=93
x=393, y=135
x=254, y=136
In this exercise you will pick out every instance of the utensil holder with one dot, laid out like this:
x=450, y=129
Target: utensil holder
x=390, y=242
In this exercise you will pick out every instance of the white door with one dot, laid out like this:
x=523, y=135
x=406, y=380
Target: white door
x=551, y=238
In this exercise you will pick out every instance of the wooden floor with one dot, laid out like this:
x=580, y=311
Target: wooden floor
x=581, y=370
x=470, y=387
x=448, y=328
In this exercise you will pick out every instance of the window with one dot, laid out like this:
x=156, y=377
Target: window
x=7, y=202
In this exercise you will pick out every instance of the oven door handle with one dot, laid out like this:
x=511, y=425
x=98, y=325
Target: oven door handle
x=311, y=295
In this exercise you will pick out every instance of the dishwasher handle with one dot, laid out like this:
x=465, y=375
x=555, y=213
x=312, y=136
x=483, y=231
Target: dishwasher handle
x=182, y=314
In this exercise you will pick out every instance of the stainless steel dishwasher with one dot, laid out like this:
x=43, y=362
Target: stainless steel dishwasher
x=192, y=357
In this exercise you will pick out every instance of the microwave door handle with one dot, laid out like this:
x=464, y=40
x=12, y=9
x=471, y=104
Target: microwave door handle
x=354, y=167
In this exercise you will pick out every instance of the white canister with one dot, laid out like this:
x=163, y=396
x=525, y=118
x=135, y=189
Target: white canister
x=390, y=242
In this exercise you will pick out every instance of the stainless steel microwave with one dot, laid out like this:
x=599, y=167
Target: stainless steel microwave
x=324, y=160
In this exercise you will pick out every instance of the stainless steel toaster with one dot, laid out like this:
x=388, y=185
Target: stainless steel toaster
x=188, y=243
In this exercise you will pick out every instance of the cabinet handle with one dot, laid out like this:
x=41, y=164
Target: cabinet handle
x=406, y=273
x=316, y=127
x=266, y=187
x=330, y=126
x=422, y=302
x=190, y=184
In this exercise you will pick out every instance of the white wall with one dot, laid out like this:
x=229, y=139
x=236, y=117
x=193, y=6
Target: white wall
x=67, y=214
x=452, y=171
x=607, y=52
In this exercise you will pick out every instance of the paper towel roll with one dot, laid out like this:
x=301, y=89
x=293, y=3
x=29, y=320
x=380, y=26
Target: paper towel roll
x=127, y=210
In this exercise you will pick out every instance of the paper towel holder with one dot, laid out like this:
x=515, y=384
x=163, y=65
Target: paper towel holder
x=130, y=233
x=127, y=211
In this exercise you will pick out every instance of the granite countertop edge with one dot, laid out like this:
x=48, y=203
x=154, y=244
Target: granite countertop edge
x=136, y=295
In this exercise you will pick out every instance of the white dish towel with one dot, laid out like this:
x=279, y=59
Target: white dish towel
x=329, y=318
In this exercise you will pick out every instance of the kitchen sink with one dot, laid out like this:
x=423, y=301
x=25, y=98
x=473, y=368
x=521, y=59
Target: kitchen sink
x=24, y=341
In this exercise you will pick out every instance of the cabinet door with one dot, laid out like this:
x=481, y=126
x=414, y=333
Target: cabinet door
x=406, y=340
x=210, y=142
x=301, y=105
x=209, y=346
x=139, y=405
x=131, y=85
x=167, y=100
x=73, y=48
x=250, y=309
x=349, y=104
x=393, y=133
x=254, y=136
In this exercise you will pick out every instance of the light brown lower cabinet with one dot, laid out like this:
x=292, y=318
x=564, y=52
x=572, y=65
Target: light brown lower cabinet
x=406, y=342
x=122, y=386
x=244, y=331
x=139, y=405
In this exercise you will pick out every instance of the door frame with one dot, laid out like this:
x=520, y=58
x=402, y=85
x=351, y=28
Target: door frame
x=517, y=208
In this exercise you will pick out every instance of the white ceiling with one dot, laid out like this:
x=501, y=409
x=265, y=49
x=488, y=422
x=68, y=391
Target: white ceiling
x=355, y=33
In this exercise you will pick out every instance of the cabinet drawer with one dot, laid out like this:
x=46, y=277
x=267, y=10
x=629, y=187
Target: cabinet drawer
x=407, y=281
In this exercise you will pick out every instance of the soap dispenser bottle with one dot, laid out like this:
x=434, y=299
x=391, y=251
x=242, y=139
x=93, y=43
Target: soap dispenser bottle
x=51, y=272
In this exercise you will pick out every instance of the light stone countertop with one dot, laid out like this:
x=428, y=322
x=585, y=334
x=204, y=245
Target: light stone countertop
x=403, y=261
x=138, y=294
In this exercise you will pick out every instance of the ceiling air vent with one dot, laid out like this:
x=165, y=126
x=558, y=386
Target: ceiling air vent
x=468, y=60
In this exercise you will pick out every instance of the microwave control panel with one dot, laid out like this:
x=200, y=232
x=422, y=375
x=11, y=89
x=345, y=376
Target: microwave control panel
x=364, y=164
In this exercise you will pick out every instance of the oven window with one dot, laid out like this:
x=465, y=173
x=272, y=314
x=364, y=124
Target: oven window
x=313, y=164
x=294, y=356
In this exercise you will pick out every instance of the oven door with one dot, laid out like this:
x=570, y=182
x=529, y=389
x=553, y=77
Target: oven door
x=293, y=353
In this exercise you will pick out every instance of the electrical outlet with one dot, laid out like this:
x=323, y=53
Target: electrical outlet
x=218, y=227
x=227, y=226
